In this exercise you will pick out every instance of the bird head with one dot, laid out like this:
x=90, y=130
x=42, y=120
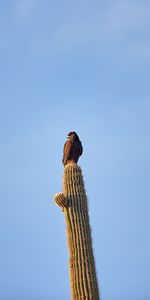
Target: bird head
x=72, y=135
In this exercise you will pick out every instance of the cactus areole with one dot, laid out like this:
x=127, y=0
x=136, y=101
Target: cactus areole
x=73, y=201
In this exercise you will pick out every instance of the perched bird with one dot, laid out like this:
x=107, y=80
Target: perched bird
x=72, y=149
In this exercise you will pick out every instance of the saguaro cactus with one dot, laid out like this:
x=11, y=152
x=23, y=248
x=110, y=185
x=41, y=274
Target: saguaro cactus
x=73, y=202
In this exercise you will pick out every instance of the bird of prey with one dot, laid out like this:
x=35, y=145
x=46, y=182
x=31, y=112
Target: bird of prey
x=72, y=149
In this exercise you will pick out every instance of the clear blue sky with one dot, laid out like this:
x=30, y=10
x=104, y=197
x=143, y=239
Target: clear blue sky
x=82, y=66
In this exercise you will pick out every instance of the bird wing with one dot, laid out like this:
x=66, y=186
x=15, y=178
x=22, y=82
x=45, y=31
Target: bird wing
x=81, y=149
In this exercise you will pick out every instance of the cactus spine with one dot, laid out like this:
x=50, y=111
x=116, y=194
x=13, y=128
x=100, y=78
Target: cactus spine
x=73, y=201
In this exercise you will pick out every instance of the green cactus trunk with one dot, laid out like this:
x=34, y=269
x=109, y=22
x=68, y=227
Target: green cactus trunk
x=73, y=200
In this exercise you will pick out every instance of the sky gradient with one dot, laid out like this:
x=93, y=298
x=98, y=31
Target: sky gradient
x=82, y=66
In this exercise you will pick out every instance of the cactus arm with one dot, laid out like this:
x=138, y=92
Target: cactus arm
x=61, y=200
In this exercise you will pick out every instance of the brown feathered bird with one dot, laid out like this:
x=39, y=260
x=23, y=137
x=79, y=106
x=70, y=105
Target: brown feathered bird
x=72, y=149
